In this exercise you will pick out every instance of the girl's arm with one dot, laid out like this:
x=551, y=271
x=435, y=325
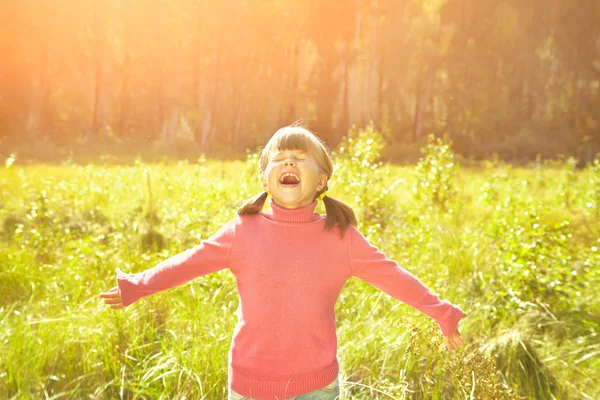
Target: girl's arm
x=210, y=255
x=372, y=266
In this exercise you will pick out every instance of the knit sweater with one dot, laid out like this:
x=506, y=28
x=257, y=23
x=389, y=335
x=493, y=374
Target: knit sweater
x=289, y=271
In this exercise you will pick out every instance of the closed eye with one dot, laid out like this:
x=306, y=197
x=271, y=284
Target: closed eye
x=294, y=154
x=297, y=159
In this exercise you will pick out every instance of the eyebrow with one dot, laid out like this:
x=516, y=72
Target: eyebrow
x=293, y=151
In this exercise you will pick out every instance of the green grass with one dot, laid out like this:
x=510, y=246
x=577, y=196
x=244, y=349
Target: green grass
x=500, y=249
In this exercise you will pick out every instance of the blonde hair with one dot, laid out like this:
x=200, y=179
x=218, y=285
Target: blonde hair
x=297, y=137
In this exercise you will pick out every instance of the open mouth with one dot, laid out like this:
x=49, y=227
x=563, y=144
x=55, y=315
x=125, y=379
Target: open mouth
x=289, y=180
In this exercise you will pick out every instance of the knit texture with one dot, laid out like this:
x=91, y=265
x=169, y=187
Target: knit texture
x=289, y=271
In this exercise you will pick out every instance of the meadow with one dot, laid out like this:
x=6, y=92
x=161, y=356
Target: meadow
x=517, y=248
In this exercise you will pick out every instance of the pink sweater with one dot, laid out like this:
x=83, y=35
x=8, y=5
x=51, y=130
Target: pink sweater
x=289, y=271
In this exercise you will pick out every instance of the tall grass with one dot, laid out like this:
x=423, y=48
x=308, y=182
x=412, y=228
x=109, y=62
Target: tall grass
x=517, y=248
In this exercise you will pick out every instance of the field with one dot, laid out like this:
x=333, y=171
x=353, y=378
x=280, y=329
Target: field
x=516, y=248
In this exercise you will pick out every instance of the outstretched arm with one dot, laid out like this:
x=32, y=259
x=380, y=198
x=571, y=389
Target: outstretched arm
x=372, y=266
x=210, y=255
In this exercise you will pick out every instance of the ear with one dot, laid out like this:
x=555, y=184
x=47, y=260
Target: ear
x=322, y=182
x=265, y=186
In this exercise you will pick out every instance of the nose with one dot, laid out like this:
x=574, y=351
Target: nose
x=289, y=161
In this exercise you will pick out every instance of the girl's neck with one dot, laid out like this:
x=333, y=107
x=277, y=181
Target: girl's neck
x=302, y=214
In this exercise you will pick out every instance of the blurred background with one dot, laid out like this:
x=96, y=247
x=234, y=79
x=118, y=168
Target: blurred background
x=493, y=107
x=516, y=78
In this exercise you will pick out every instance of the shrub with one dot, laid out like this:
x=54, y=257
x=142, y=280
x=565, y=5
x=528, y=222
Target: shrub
x=435, y=173
x=362, y=177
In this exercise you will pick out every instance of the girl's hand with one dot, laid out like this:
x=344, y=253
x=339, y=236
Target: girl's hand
x=113, y=298
x=453, y=342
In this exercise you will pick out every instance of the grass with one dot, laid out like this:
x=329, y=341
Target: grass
x=528, y=283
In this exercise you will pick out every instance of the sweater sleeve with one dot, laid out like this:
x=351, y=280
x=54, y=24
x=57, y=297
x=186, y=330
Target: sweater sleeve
x=372, y=266
x=210, y=255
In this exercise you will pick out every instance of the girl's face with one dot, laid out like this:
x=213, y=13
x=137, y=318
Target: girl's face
x=293, y=178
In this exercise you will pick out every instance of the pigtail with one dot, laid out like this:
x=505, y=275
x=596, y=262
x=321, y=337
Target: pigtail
x=254, y=205
x=338, y=212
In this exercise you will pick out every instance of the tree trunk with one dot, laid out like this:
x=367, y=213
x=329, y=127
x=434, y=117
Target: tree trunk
x=293, y=86
x=379, y=93
x=215, y=99
x=124, y=100
x=38, y=99
x=160, y=108
x=99, y=26
x=326, y=93
x=171, y=123
x=197, y=102
x=417, y=115
x=208, y=122
x=345, y=119
x=97, y=86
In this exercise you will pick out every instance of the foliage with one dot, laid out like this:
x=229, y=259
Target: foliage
x=566, y=187
x=521, y=365
x=435, y=173
x=125, y=73
x=535, y=255
x=467, y=375
x=511, y=254
x=593, y=195
x=361, y=176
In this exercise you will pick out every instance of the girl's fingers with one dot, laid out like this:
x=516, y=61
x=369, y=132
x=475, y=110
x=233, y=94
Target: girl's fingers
x=112, y=293
x=448, y=343
x=109, y=295
x=113, y=301
x=453, y=342
x=112, y=298
x=457, y=341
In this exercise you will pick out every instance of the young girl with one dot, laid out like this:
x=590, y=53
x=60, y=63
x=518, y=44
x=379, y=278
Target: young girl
x=290, y=265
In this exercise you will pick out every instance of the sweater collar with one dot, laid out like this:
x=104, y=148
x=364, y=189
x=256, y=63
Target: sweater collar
x=303, y=214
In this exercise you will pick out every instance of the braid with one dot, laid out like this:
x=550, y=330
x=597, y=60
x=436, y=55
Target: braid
x=253, y=205
x=337, y=212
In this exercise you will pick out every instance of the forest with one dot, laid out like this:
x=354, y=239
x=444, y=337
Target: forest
x=511, y=78
x=465, y=136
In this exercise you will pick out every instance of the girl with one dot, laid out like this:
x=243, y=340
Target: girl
x=290, y=265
